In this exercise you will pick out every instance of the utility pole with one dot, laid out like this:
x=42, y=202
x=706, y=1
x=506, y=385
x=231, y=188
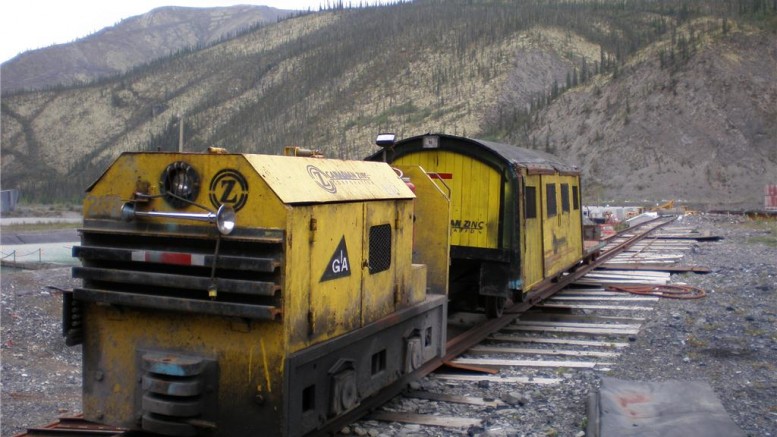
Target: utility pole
x=180, y=133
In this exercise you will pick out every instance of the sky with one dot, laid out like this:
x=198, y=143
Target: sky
x=33, y=24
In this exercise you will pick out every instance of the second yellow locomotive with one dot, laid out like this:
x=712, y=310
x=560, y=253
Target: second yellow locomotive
x=231, y=294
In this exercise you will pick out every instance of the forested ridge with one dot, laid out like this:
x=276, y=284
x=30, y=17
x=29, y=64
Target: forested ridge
x=577, y=78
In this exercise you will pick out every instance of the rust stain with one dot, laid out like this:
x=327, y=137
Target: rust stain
x=625, y=402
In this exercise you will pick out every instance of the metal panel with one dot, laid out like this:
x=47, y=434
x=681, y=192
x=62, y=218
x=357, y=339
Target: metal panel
x=431, y=234
x=476, y=193
x=179, y=305
x=191, y=284
x=532, y=244
x=358, y=352
x=562, y=243
x=335, y=269
x=223, y=179
x=178, y=258
x=250, y=359
x=380, y=289
x=298, y=180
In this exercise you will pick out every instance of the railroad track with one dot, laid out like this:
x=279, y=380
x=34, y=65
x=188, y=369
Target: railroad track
x=534, y=342
x=581, y=326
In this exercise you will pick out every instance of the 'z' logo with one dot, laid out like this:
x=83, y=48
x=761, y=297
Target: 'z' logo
x=228, y=187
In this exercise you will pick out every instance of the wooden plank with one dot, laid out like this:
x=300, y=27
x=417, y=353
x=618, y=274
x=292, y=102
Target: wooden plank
x=425, y=419
x=458, y=366
x=600, y=282
x=444, y=397
x=578, y=324
x=627, y=274
x=531, y=351
x=623, y=298
x=538, y=315
x=594, y=307
x=589, y=293
x=547, y=340
x=527, y=363
x=498, y=379
x=674, y=268
x=572, y=330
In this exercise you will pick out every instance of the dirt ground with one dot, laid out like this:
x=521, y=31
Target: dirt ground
x=727, y=339
x=41, y=376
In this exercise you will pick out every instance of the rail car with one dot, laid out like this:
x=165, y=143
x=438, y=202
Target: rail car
x=236, y=294
x=516, y=219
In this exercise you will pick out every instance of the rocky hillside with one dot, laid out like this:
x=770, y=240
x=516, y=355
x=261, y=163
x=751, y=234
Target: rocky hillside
x=654, y=100
x=703, y=131
x=132, y=42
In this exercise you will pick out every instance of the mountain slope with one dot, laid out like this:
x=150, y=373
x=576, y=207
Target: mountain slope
x=704, y=131
x=612, y=87
x=133, y=41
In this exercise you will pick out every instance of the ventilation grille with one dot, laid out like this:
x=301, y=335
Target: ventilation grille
x=380, y=248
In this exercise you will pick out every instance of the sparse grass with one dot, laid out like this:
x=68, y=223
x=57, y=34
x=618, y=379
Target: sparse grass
x=696, y=342
x=755, y=332
x=768, y=229
x=39, y=227
x=764, y=365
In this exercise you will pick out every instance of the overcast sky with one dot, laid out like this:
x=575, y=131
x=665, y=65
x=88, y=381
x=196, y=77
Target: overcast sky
x=32, y=24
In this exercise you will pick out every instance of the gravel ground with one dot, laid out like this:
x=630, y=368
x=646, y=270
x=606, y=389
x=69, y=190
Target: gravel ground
x=726, y=339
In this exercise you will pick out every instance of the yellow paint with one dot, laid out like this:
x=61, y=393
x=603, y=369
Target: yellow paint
x=266, y=366
x=531, y=247
x=562, y=245
x=335, y=304
x=432, y=213
x=476, y=191
x=120, y=342
x=281, y=196
x=251, y=364
x=296, y=179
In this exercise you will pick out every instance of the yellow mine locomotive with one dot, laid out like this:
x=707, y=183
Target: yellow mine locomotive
x=515, y=214
x=237, y=294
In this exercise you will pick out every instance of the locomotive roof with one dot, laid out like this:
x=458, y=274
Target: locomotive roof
x=496, y=154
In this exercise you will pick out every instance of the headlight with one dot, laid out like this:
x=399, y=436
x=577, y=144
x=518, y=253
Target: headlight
x=180, y=184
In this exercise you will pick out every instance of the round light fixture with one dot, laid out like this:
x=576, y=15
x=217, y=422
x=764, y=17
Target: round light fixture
x=180, y=184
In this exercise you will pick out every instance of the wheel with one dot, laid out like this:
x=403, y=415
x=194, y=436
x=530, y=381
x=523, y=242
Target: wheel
x=495, y=306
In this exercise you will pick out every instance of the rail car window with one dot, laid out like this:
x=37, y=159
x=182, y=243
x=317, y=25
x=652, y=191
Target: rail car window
x=530, y=197
x=575, y=198
x=565, y=197
x=380, y=248
x=550, y=190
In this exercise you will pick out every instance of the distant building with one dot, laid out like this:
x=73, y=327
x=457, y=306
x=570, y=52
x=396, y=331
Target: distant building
x=770, y=197
x=8, y=199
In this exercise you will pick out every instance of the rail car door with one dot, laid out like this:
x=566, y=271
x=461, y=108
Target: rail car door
x=379, y=266
x=335, y=270
x=532, y=232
